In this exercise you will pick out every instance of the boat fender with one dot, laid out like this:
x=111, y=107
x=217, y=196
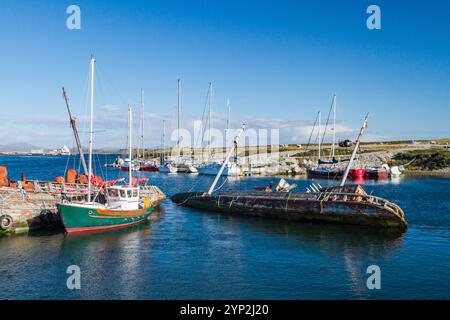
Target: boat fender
x=6, y=222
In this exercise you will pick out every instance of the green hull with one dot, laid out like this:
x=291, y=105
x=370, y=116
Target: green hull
x=79, y=218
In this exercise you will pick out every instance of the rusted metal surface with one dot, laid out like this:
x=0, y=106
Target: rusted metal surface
x=343, y=207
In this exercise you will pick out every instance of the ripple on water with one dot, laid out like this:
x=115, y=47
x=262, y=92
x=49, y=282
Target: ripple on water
x=187, y=254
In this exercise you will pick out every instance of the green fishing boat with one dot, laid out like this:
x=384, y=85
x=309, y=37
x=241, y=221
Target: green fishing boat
x=121, y=210
x=122, y=206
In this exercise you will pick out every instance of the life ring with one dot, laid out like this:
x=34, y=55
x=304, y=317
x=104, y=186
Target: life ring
x=6, y=221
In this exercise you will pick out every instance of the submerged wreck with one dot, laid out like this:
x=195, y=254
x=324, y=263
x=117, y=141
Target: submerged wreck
x=343, y=204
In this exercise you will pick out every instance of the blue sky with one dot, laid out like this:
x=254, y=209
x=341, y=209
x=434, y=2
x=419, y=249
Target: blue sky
x=279, y=62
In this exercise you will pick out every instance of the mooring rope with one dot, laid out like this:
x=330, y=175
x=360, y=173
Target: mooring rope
x=190, y=190
x=195, y=184
x=226, y=179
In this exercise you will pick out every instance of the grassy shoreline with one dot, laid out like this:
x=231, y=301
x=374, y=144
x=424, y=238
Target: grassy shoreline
x=426, y=173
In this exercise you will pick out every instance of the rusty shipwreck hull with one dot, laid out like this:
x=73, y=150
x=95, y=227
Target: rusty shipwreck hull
x=325, y=207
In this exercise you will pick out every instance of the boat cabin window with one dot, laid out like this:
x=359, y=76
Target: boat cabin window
x=135, y=193
x=113, y=193
x=123, y=194
x=129, y=192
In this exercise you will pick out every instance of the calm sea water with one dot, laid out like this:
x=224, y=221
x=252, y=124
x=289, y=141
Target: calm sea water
x=188, y=254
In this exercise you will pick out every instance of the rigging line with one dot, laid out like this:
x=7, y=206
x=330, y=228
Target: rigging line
x=190, y=190
x=101, y=88
x=316, y=140
x=198, y=180
x=204, y=123
x=195, y=184
x=67, y=164
x=209, y=124
x=225, y=180
x=106, y=168
x=99, y=165
x=105, y=75
x=312, y=131
x=328, y=119
x=203, y=118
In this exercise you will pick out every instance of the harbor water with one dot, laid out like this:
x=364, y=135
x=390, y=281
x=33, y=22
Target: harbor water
x=188, y=254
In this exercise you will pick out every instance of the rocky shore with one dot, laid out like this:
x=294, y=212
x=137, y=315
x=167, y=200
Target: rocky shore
x=424, y=158
x=430, y=162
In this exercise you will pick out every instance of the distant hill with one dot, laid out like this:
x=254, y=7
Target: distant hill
x=19, y=147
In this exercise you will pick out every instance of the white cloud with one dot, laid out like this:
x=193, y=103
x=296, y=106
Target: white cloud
x=110, y=108
x=111, y=129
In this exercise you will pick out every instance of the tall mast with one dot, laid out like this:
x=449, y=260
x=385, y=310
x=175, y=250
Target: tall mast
x=129, y=146
x=358, y=140
x=163, y=142
x=142, y=124
x=228, y=114
x=178, y=112
x=333, y=147
x=320, y=129
x=227, y=158
x=73, y=124
x=91, y=127
x=209, y=122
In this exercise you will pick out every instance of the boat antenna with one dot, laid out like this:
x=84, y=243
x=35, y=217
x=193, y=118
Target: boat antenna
x=73, y=124
x=91, y=127
x=358, y=140
x=227, y=158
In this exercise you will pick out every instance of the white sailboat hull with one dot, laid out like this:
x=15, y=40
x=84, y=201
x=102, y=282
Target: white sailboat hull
x=168, y=168
x=213, y=170
x=192, y=169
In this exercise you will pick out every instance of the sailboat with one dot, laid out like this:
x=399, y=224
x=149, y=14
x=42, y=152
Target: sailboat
x=177, y=165
x=165, y=166
x=212, y=167
x=143, y=164
x=128, y=163
x=122, y=207
x=331, y=171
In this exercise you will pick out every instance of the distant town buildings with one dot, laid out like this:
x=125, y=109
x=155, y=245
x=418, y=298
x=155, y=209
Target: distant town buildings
x=64, y=151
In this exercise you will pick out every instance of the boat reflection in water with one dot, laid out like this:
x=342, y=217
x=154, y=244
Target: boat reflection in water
x=128, y=263
x=312, y=250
